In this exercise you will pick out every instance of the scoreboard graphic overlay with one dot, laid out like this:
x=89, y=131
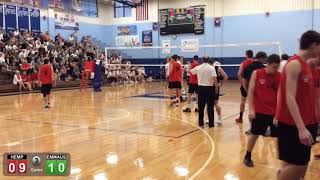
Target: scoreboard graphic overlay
x=36, y=164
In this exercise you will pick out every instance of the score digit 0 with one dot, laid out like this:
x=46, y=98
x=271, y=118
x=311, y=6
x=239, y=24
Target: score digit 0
x=16, y=164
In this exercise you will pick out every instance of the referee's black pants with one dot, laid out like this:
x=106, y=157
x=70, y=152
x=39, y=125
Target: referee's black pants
x=206, y=95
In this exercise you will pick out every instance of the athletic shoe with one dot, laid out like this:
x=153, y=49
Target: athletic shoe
x=196, y=110
x=239, y=120
x=187, y=110
x=268, y=133
x=248, y=132
x=248, y=162
x=219, y=122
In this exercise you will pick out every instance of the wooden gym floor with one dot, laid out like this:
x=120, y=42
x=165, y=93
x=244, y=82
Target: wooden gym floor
x=129, y=132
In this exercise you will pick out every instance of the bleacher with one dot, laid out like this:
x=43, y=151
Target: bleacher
x=6, y=85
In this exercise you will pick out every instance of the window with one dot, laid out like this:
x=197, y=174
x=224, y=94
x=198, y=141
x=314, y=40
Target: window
x=121, y=10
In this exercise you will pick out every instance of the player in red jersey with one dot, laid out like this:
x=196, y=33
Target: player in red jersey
x=193, y=85
x=262, y=97
x=314, y=63
x=296, y=110
x=243, y=66
x=46, y=78
x=175, y=77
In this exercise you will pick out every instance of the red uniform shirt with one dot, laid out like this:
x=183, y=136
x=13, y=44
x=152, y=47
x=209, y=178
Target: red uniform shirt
x=305, y=96
x=25, y=66
x=265, y=92
x=246, y=63
x=24, y=78
x=35, y=77
x=193, y=79
x=176, y=73
x=46, y=74
x=316, y=77
x=89, y=66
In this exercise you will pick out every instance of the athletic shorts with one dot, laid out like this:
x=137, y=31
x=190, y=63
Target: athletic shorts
x=193, y=88
x=217, y=95
x=261, y=123
x=243, y=92
x=289, y=146
x=46, y=88
x=175, y=85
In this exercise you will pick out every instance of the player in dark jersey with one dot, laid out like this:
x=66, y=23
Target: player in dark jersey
x=243, y=65
x=262, y=97
x=296, y=110
x=193, y=84
x=175, y=77
x=46, y=78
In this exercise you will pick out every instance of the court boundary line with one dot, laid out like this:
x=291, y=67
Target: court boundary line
x=71, y=129
x=199, y=171
x=91, y=128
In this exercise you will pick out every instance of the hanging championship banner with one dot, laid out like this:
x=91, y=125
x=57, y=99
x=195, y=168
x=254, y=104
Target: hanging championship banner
x=189, y=45
x=10, y=18
x=166, y=46
x=132, y=40
x=65, y=21
x=23, y=19
x=147, y=38
x=1, y=16
x=35, y=21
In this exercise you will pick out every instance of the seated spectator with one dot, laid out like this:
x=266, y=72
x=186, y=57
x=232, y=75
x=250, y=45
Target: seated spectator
x=3, y=64
x=16, y=33
x=47, y=37
x=17, y=80
x=26, y=79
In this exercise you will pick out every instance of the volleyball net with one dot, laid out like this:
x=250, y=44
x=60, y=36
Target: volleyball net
x=152, y=59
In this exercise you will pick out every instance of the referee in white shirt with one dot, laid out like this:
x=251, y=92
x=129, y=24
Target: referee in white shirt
x=207, y=80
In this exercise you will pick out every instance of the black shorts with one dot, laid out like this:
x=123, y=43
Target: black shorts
x=289, y=146
x=46, y=88
x=175, y=85
x=217, y=95
x=261, y=123
x=243, y=92
x=193, y=88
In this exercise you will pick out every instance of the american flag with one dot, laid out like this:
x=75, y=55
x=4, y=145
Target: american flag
x=142, y=11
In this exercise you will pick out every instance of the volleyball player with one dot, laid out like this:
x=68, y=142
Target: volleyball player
x=262, y=97
x=221, y=77
x=243, y=65
x=193, y=84
x=175, y=77
x=314, y=63
x=46, y=78
x=296, y=115
x=284, y=61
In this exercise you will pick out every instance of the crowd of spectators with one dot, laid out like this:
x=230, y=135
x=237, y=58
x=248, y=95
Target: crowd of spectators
x=120, y=71
x=23, y=53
